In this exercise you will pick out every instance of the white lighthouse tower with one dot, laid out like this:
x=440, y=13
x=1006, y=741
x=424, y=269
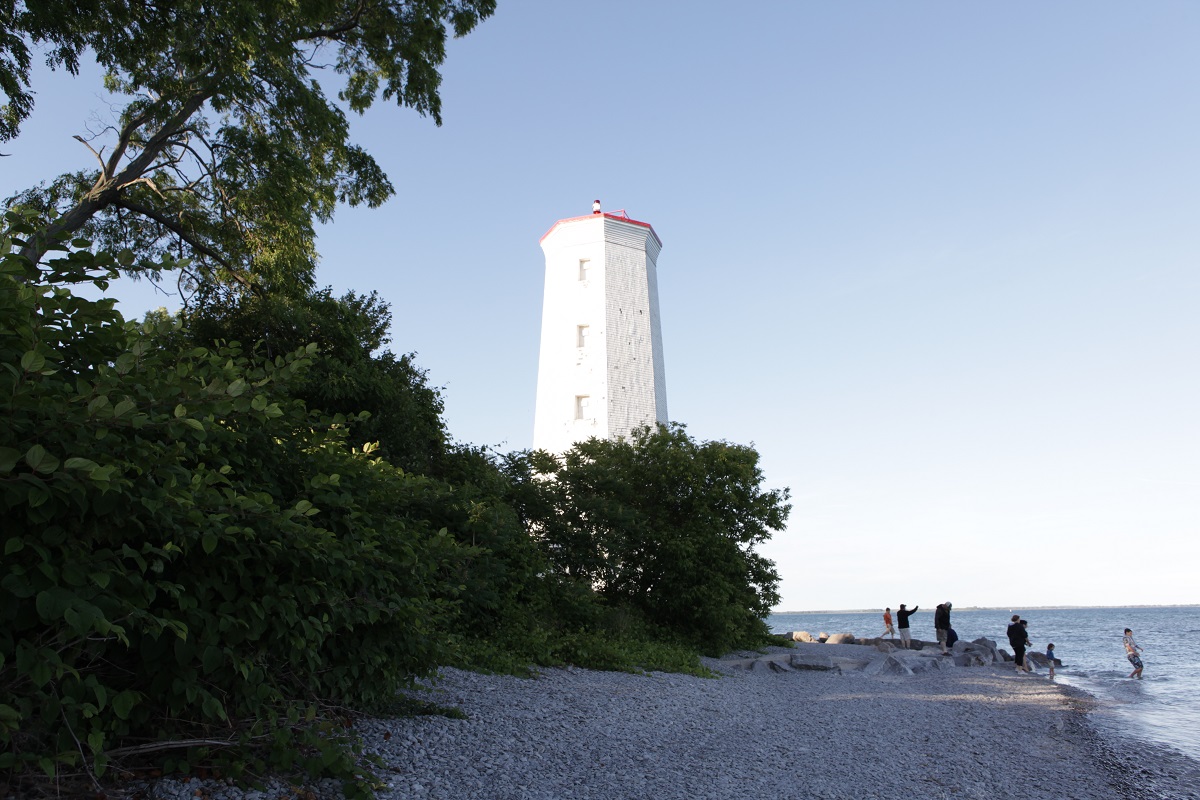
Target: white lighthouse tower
x=600, y=372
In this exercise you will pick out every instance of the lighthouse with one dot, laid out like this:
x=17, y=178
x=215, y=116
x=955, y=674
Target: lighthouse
x=600, y=369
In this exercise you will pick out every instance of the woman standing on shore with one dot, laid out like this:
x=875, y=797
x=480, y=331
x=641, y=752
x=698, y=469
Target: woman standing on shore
x=1017, y=638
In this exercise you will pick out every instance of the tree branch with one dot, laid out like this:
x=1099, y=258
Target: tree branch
x=107, y=189
x=338, y=29
x=183, y=234
x=154, y=747
x=99, y=155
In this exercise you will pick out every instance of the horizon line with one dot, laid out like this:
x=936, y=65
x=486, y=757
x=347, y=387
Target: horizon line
x=995, y=608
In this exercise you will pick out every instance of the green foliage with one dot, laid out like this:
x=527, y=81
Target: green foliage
x=188, y=553
x=663, y=525
x=227, y=146
x=350, y=373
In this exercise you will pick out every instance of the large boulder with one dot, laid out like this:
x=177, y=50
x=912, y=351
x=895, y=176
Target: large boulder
x=801, y=636
x=888, y=664
x=989, y=645
x=840, y=638
x=1038, y=659
x=932, y=664
x=978, y=653
x=811, y=661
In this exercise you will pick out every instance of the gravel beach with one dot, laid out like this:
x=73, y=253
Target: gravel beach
x=965, y=732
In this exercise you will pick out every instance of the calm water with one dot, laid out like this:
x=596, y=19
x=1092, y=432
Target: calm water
x=1164, y=707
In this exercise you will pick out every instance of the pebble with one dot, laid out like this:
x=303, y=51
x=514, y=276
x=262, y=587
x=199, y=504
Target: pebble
x=976, y=732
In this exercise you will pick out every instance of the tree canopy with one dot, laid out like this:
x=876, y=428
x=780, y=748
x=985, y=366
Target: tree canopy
x=227, y=147
x=664, y=525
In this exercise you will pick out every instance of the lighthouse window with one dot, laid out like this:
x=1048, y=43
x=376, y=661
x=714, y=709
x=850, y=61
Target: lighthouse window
x=584, y=265
x=581, y=336
x=583, y=406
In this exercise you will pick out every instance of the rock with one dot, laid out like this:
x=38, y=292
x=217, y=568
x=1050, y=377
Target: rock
x=1038, y=659
x=972, y=658
x=769, y=665
x=840, y=638
x=990, y=646
x=884, y=647
x=802, y=636
x=978, y=653
x=932, y=664
x=811, y=661
x=890, y=664
x=1004, y=655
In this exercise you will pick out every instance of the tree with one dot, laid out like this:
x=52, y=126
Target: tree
x=190, y=556
x=351, y=372
x=664, y=525
x=227, y=147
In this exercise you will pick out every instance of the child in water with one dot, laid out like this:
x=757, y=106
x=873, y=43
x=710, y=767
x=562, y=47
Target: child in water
x=1050, y=657
x=1131, y=652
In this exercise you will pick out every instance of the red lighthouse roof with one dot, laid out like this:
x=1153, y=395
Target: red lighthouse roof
x=618, y=215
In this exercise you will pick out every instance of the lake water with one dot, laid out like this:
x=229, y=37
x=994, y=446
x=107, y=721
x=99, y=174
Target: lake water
x=1164, y=707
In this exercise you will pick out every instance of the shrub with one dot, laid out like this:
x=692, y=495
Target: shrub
x=190, y=557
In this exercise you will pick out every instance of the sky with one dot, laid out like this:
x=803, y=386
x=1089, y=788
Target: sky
x=937, y=262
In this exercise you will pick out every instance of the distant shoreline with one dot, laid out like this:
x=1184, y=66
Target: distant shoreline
x=996, y=608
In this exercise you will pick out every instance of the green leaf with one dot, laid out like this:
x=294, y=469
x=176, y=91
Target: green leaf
x=209, y=542
x=236, y=388
x=123, y=407
x=180, y=411
x=9, y=717
x=212, y=659
x=123, y=703
x=32, y=361
x=125, y=362
x=8, y=458
x=80, y=463
x=14, y=545
x=40, y=461
x=52, y=603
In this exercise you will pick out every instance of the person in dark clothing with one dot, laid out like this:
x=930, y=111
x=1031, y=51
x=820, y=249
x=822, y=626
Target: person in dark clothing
x=902, y=623
x=941, y=624
x=1017, y=636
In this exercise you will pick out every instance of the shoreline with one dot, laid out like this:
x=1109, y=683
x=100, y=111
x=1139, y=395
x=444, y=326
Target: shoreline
x=962, y=732
x=954, y=732
x=996, y=608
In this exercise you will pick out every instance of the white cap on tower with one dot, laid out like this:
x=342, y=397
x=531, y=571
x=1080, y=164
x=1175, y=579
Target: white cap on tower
x=596, y=207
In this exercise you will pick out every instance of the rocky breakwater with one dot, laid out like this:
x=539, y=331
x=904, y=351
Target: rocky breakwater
x=843, y=652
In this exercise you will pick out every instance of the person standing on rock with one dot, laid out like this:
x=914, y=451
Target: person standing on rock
x=902, y=622
x=941, y=624
x=887, y=623
x=1016, y=638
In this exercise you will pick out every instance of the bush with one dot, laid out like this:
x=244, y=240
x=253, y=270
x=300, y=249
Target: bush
x=664, y=526
x=190, y=557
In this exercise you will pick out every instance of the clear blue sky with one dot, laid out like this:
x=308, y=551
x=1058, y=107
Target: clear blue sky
x=937, y=261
